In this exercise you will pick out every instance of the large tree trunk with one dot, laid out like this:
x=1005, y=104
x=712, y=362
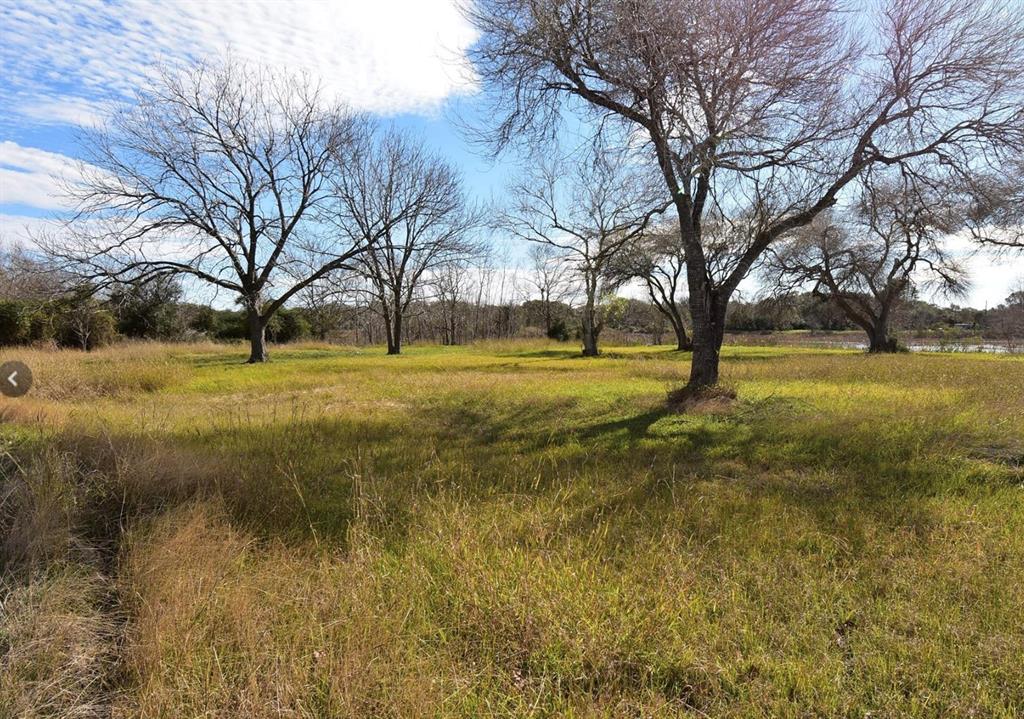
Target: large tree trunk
x=589, y=342
x=257, y=337
x=880, y=341
x=704, y=363
x=395, y=334
x=707, y=306
x=708, y=316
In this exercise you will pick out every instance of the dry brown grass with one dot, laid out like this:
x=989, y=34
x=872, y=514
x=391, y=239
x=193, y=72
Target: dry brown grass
x=114, y=371
x=250, y=629
x=57, y=647
x=39, y=504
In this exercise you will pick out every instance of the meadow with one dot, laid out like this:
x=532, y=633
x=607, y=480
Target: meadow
x=510, y=530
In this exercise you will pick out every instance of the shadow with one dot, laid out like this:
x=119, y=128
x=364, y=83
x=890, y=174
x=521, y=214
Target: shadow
x=635, y=427
x=306, y=474
x=275, y=354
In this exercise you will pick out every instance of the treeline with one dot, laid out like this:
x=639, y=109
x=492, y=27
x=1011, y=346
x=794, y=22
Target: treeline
x=35, y=310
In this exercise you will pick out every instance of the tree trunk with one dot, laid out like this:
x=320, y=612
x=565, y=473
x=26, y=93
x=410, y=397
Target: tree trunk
x=704, y=363
x=257, y=337
x=708, y=333
x=880, y=341
x=683, y=343
x=589, y=343
x=589, y=328
x=395, y=334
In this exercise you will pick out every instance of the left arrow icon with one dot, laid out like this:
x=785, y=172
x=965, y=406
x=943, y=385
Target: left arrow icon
x=18, y=376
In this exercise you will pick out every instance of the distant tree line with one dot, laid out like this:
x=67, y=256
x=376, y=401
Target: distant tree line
x=36, y=308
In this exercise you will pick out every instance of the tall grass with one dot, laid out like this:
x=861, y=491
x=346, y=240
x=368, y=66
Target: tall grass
x=514, y=531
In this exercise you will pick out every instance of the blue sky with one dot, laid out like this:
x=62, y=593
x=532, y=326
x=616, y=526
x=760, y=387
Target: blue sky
x=63, y=65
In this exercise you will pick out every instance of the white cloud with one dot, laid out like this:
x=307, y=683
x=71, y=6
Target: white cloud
x=993, y=276
x=36, y=178
x=20, y=231
x=64, y=110
x=385, y=56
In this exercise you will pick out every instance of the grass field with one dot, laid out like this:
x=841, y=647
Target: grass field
x=510, y=530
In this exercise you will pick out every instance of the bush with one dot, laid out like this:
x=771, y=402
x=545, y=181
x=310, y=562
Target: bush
x=149, y=310
x=86, y=326
x=558, y=331
x=40, y=326
x=15, y=323
x=287, y=326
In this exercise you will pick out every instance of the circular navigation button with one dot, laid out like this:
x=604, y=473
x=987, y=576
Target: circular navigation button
x=15, y=378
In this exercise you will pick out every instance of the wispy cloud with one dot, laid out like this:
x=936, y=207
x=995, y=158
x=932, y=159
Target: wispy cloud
x=36, y=178
x=22, y=231
x=63, y=110
x=60, y=62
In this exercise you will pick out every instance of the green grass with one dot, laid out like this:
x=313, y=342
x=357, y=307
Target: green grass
x=511, y=530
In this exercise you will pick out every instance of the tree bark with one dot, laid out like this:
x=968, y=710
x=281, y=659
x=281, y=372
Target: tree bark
x=683, y=342
x=395, y=334
x=880, y=341
x=708, y=333
x=589, y=343
x=257, y=337
x=589, y=328
x=704, y=363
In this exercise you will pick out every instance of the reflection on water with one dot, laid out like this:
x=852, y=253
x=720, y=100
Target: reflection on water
x=1005, y=348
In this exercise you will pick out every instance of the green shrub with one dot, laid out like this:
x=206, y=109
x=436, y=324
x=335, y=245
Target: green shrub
x=287, y=326
x=558, y=330
x=86, y=326
x=15, y=323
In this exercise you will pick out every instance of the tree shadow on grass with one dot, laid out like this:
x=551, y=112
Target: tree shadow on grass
x=635, y=426
x=768, y=449
x=312, y=477
x=560, y=353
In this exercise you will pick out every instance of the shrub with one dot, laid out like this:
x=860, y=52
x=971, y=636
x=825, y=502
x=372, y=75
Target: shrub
x=86, y=327
x=287, y=326
x=149, y=310
x=559, y=331
x=15, y=325
x=40, y=326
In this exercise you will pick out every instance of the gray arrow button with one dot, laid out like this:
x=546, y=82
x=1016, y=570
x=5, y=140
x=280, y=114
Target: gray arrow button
x=15, y=378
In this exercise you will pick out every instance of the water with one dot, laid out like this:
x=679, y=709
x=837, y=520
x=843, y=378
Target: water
x=984, y=347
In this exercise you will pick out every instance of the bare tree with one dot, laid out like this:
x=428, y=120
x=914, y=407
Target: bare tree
x=658, y=259
x=760, y=111
x=324, y=302
x=548, y=276
x=24, y=277
x=221, y=173
x=587, y=209
x=454, y=283
x=996, y=206
x=409, y=208
x=871, y=258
